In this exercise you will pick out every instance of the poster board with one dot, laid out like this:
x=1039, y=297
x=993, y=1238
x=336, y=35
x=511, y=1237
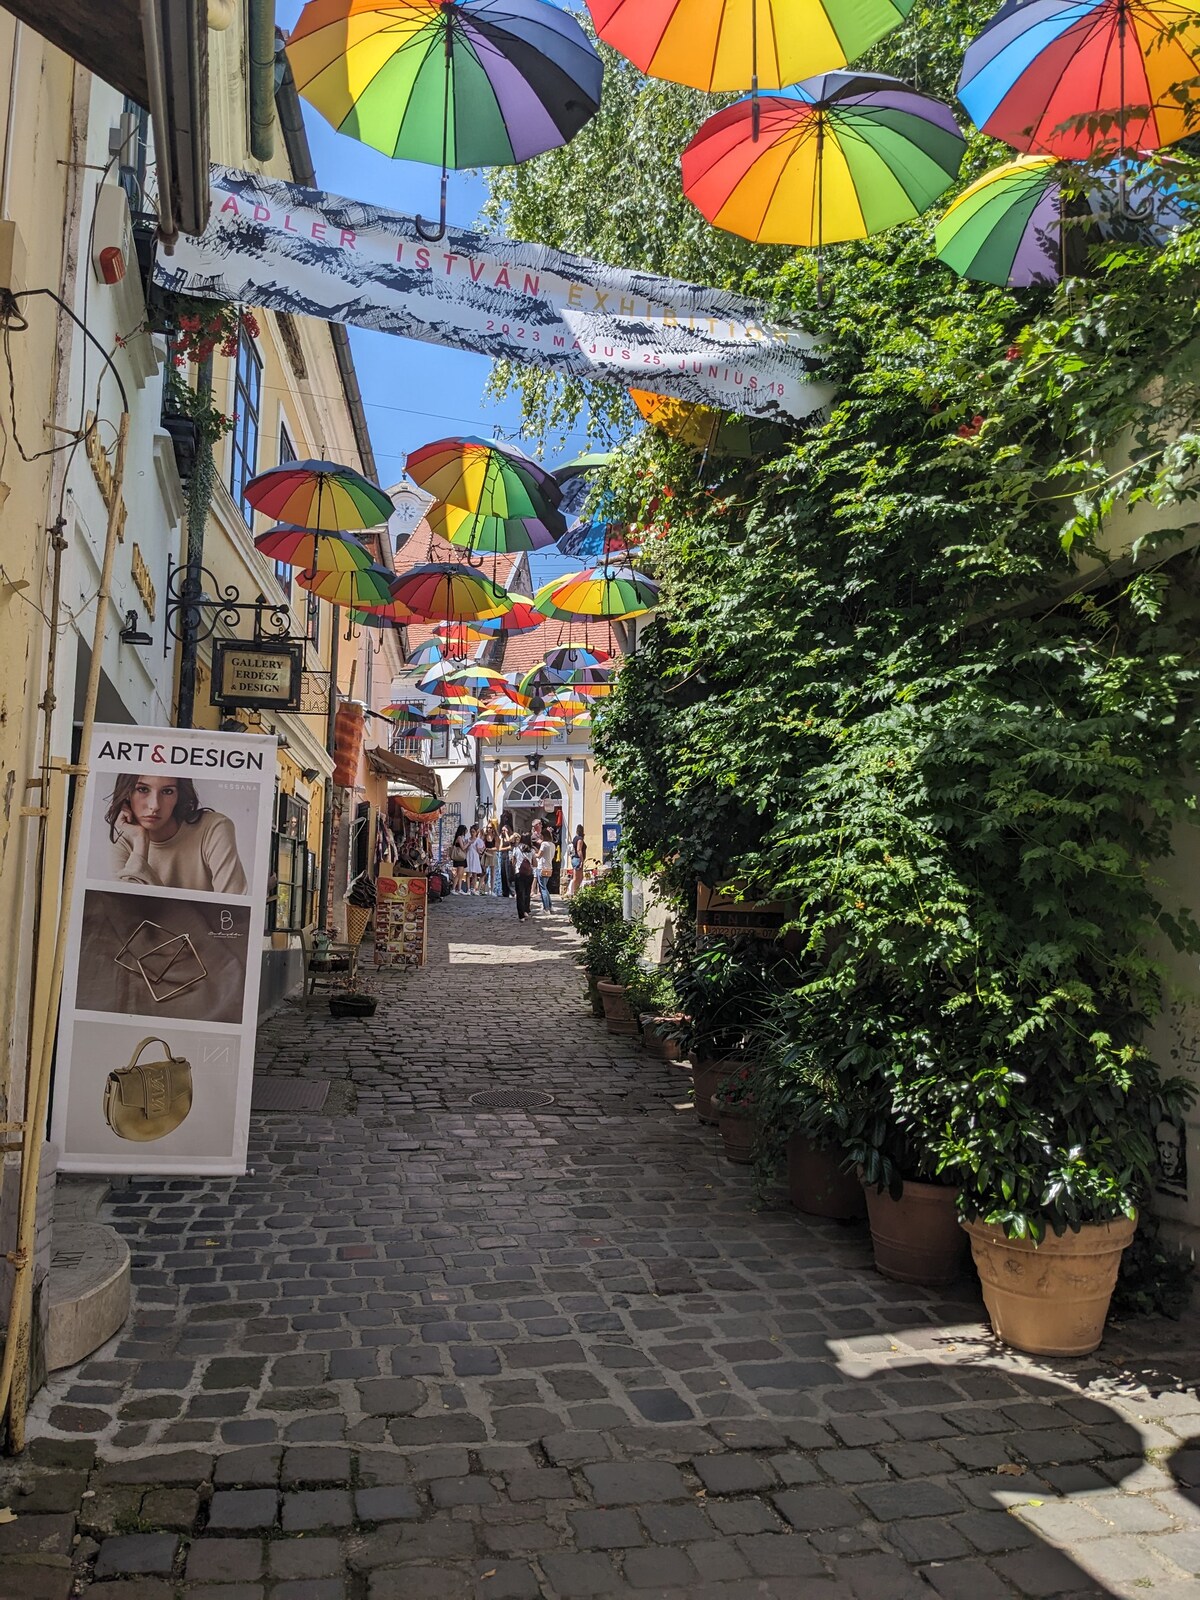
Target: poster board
x=160, y=989
x=718, y=912
x=401, y=917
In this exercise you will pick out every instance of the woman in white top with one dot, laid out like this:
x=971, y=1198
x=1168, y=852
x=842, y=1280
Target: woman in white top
x=161, y=835
x=474, y=860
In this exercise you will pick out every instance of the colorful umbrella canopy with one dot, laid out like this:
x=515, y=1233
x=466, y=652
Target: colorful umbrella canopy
x=541, y=727
x=404, y=713
x=717, y=433
x=419, y=805
x=473, y=530
x=488, y=728
x=839, y=157
x=598, y=540
x=390, y=612
x=543, y=601
x=1073, y=77
x=319, y=496
x=298, y=547
x=363, y=589
x=480, y=475
x=425, y=654
x=521, y=619
x=456, y=83
x=612, y=592
x=374, y=619
x=571, y=657
x=574, y=478
x=563, y=703
x=443, y=718
x=503, y=706
x=477, y=677
x=732, y=44
x=451, y=591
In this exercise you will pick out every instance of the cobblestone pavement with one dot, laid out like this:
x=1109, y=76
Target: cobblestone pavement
x=423, y=1350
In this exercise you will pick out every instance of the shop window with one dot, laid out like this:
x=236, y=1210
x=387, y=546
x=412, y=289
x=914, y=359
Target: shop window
x=247, y=398
x=283, y=569
x=292, y=866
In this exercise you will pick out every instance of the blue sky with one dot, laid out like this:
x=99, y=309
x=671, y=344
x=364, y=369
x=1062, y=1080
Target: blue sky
x=413, y=392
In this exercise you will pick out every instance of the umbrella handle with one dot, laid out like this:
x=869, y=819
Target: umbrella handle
x=824, y=298
x=475, y=558
x=432, y=235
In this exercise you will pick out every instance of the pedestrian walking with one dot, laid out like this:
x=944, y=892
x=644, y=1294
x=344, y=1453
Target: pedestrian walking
x=546, y=853
x=458, y=861
x=578, y=859
x=491, y=859
x=474, y=859
x=523, y=874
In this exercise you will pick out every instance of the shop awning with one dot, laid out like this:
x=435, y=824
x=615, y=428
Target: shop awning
x=156, y=52
x=403, y=770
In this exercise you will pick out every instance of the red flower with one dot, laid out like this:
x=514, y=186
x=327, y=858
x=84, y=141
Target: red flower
x=1013, y=353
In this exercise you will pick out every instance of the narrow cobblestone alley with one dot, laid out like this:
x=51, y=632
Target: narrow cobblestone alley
x=425, y=1351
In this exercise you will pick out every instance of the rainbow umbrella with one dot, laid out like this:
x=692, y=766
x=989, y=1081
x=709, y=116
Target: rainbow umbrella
x=374, y=619
x=299, y=547
x=318, y=496
x=404, y=713
x=474, y=530
x=1073, y=77
x=544, y=602
x=738, y=44
x=425, y=655
x=610, y=592
x=839, y=157
x=390, y=611
x=598, y=540
x=503, y=706
x=454, y=83
x=572, y=657
x=488, y=728
x=565, y=704
x=419, y=805
x=480, y=475
x=574, y=479
x=477, y=677
x=443, y=718
x=451, y=591
x=521, y=619
x=593, y=681
x=364, y=589
x=541, y=727
x=705, y=428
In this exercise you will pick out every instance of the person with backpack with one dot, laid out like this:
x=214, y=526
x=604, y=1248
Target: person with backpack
x=523, y=875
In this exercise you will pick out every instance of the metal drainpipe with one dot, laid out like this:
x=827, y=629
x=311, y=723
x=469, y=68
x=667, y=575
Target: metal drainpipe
x=260, y=29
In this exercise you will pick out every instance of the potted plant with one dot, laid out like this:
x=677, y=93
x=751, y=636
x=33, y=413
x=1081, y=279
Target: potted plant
x=651, y=996
x=613, y=954
x=356, y=998
x=722, y=986
x=735, y=1114
x=598, y=905
x=191, y=418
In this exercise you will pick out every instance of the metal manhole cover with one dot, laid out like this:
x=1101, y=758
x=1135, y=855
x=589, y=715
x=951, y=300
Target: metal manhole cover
x=289, y=1094
x=512, y=1099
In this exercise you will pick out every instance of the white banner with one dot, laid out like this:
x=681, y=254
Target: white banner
x=285, y=248
x=160, y=992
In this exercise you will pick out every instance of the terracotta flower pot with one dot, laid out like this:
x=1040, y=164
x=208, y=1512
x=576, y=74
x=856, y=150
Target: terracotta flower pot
x=817, y=1183
x=736, y=1127
x=593, y=993
x=708, y=1074
x=1050, y=1299
x=917, y=1238
x=654, y=1042
x=618, y=1018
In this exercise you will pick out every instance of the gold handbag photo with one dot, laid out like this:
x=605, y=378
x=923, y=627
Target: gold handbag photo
x=148, y=1100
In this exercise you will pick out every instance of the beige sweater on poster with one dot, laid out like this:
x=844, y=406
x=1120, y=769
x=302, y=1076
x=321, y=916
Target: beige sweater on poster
x=202, y=856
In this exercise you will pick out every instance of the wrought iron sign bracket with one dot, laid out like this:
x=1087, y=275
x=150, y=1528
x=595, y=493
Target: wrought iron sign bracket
x=196, y=605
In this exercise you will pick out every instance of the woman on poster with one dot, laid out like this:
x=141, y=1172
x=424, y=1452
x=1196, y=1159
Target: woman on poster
x=161, y=835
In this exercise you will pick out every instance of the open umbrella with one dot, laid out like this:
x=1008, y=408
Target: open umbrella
x=840, y=156
x=610, y=592
x=488, y=728
x=473, y=530
x=715, y=432
x=1073, y=77
x=364, y=589
x=454, y=83
x=544, y=602
x=738, y=44
x=572, y=657
x=477, y=677
x=598, y=540
x=419, y=805
x=318, y=496
x=521, y=619
x=565, y=703
x=425, y=655
x=451, y=592
x=481, y=475
x=374, y=619
x=541, y=727
x=299, y=547
x=405, y=714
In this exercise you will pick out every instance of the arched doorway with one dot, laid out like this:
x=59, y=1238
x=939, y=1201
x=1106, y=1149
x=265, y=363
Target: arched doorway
x=531, y=796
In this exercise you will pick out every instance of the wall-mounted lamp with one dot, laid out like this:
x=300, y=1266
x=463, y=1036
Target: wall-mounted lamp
x=232, y=725
x=131, y=633
x=535, y=760
x=309, y=774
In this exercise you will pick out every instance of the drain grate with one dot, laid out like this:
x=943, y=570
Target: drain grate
x=512, y=1099
x=289, y=1094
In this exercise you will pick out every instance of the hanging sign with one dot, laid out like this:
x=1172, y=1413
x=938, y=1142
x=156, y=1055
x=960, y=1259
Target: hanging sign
x=401, y=907
x=257, y=675
x=723, y=913
x=160, y=990
x=309, y=253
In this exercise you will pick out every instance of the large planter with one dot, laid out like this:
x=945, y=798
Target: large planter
x=708, y=1074
x=817, y=1183
x=352, y=1005
x=655, y=1042
x=1050, y=1299
x=736, y=1128
x=917, y=1238
x=593, y=993
x=618, y=1018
